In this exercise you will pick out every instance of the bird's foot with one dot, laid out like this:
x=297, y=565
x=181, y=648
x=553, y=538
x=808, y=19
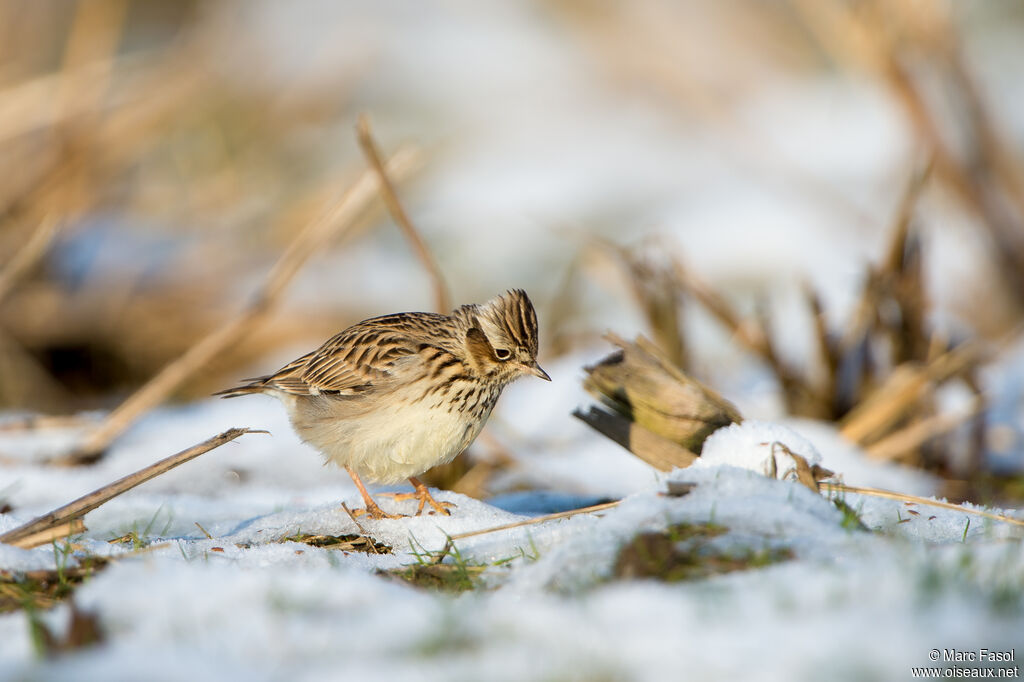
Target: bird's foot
x=375, y=512
x=423, y=495
x=372, y=510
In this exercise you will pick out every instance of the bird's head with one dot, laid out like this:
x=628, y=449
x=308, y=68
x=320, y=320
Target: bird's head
x=501, y=340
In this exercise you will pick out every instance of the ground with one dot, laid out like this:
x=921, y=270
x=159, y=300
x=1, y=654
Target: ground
x=766, y=578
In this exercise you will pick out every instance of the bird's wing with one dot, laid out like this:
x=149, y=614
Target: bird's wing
x=360, y=359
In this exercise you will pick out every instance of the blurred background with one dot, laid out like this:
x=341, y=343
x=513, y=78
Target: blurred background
x=813, y=205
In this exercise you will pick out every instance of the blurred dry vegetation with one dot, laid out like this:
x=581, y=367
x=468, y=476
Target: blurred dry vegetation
x=149, y=188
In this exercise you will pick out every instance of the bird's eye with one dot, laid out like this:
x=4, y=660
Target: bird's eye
x=502, y=353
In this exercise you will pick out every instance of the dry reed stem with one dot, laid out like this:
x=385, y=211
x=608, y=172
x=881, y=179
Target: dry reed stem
x=888, y=279
x=78, y=508
x=826, y=345
x=337, y=219
x=442, y=300
x=30, y=105
x=62, y=531
x=653, y=288
x=750, y=333
x=755, y=335
x=900, y=230
x=28, y=255
x=902, y=389
x=93, y=39
x=95, y=145
x=897, y=444
x=747, y=334
x=900, y=275
x=990, y=181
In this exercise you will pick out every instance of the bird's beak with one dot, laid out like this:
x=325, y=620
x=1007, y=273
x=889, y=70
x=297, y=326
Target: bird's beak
x=536, y=371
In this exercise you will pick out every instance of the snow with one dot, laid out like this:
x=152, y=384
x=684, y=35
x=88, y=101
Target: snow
x=248, y=605
x=758, y=446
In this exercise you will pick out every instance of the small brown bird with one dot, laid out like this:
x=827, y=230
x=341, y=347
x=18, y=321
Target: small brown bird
x=393, y=396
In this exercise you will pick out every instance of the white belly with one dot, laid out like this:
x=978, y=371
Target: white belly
x=389, y=445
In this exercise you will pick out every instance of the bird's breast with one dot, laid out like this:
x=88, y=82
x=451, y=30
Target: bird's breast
x=404, y=437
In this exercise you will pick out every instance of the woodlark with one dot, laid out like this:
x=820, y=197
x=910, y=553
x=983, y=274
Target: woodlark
x=393, y=396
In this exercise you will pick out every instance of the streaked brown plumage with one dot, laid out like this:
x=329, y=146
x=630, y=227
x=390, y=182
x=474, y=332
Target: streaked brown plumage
x=393, y=396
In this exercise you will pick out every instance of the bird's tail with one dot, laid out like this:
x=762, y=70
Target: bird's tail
x=258, y=385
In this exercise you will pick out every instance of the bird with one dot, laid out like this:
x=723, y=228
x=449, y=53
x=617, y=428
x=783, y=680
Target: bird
x=393, y=396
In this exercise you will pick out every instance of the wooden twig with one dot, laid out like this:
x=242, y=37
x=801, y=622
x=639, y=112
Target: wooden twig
x=401, y=218
x=60, y=518
x=337, y=219
x=539, y=519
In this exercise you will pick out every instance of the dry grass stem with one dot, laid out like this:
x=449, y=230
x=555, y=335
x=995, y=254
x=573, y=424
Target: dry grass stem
x=876, y=415
x=32, y=105
x=825, y=344
x=60, y=517
x=755, y=335
x=652, y=284
x=985, y=177
x=28, y=255
x=401, y=218
x=540, y=519
x=900, y=443
x=875, y=492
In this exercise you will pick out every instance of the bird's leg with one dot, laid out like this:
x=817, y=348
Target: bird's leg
x=372, y=510
x=423, y=495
